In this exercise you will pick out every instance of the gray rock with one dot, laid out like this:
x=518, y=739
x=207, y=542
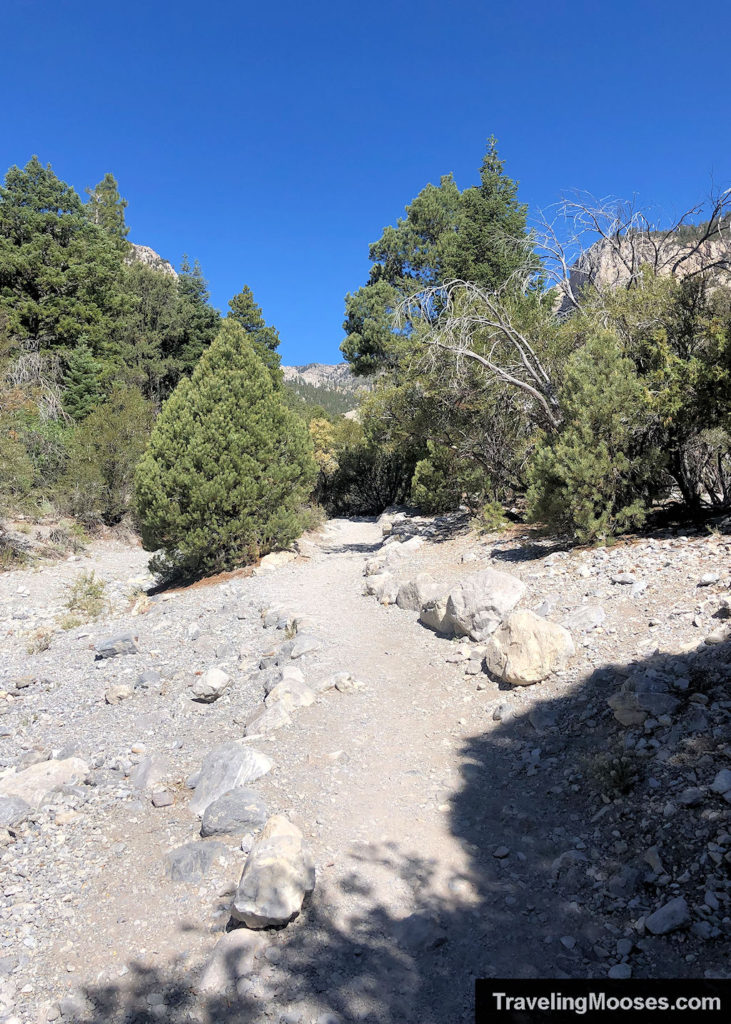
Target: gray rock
x=414, y=593
x=624, y=578
x=34, y=784
x=118, y=692
x=383, y=586
x=433, y=612
x=13, y=810
x=478, y=605
x=527, y=649
x=586, y=618
x=149, y=772
x=267, y=719
x=304, y=645
x=232, y=958
x=291, y=694
x=669, y=917
x=722, y=782
x=691, y=797
x=620, y=971
x=192, y=861
x=278, y=874
x=113, y=646
x=210, y=686
x=240, y=810
x=162, y=798
x=419, y=933
x=149, y=680
x=227, y=767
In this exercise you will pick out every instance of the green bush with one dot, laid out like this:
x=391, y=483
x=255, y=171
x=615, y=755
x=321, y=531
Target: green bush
x=228, y=467
x=103, y=454
x=442, y=481
x=595, y=476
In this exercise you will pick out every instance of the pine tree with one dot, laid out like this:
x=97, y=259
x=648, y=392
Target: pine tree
x=245, y=312
x=106, y=207
x=197, y=321
x=228, y=466
x=82, y=383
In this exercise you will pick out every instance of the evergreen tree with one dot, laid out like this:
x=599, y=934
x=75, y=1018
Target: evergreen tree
x=491, y=241
x=59, y=274
x=245, y=312
x=228, y=466
x=478, y=235
x=82, y=383
x=198, y=322
x=106, y=207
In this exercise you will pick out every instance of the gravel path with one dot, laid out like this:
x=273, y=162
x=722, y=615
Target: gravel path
x=459, y=828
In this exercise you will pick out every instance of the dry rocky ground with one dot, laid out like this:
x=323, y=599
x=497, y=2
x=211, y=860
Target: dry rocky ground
x=459, y=826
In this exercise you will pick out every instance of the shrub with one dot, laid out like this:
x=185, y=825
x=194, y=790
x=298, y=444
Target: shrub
x=594, y=477
x=228, y=466
x=103, y=454
x=87, y=594
x=442, y=481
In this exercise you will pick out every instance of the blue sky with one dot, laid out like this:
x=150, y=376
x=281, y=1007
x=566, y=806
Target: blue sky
x=275, y=141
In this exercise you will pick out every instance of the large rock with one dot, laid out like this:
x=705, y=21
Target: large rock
x=414, y=593
x=35, y=783
x=643, y=695
x=383, y=586
x=267, y=719
x=669, y=917
x=478, y=605
x=210, y=686
x=433, y=613
x=274, y=561
x=291, y=694
x=278, y=874
x=527, y=648
x=238, y=811
x=227, y=767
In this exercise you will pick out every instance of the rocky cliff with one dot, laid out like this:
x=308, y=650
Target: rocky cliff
x=144, y=254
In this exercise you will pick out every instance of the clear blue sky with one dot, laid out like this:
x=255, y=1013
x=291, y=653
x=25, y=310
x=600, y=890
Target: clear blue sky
x=274, y=141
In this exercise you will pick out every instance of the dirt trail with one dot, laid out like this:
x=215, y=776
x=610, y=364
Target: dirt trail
x=449, y=844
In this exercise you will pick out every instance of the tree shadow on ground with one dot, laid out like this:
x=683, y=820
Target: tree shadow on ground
x=575, y=829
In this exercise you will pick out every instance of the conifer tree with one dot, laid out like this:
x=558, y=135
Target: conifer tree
x=82, y=383
x=106, y=207
x=245, y=312
x=228, y=466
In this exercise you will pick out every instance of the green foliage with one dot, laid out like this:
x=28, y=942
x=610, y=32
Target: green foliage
x=314, y=400
x=59, y=273
x=594, y=477
x=82, y=383
x=17, y=474
x=87, y=595
x=478, y=235
x=442, y=482
x=106, y=208
x=490, y=518
x=104, y=451
x=228, y=466
x=198, y=322
x=245, y=312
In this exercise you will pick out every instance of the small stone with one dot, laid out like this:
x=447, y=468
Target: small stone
x=162, y=798
x=114, y=646
x=620, y=971
x=118, y=692
x=624, y=578
x=722, y=782
x=709, y=578
x=278, y=874
x=691, y=797
x=501, y=852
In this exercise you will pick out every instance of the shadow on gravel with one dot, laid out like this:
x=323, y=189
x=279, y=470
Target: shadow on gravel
x=576, y=828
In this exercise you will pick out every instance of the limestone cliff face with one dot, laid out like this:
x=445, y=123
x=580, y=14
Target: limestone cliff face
x=610, y=264
x=336, y=378
x=144, y=254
